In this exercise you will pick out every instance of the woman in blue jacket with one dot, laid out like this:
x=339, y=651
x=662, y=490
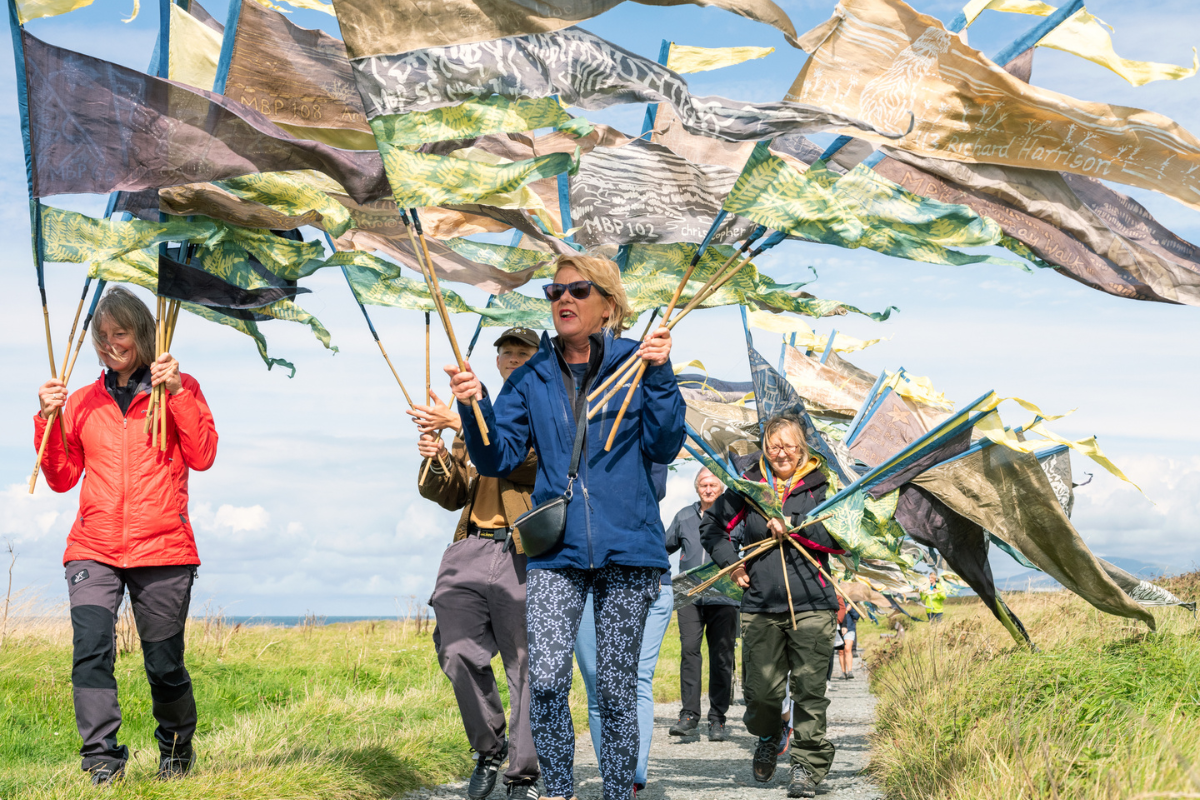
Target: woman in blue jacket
x=614, y=544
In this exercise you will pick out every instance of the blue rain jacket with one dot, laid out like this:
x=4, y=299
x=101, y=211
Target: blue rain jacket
x=613, y=514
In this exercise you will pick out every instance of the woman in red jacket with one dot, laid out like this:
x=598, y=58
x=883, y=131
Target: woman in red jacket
x=132, y=530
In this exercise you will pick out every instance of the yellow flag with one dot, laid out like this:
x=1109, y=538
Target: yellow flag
x=806, y=337
x=992, y=428
x=684, y=59
x=36, y=9
x=1083, y=35
x=195, y=51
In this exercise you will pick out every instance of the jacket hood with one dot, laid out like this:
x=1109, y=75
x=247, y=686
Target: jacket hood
x=544, y=362
x=814, y=478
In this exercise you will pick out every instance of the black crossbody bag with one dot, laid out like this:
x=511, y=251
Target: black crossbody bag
x=542, y=528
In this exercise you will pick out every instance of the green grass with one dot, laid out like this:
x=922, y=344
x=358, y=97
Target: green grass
x=337, y=712
x=1104, y=708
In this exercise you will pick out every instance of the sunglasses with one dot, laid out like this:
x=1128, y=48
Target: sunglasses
x=580, y=290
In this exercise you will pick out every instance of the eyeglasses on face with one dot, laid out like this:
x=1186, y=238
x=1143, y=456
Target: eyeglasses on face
x=580, y=290
x=780, y=449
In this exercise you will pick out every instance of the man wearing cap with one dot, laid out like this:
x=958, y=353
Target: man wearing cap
x=479, y=597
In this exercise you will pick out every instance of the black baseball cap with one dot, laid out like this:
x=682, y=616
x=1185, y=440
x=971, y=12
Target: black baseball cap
x=522, y=335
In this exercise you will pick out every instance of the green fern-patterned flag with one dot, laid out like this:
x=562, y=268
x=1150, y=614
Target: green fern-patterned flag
x=401, y=292
x=858, y=209
x=425, y=179
x=470, y=119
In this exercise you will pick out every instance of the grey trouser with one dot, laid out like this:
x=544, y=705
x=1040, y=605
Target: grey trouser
x=160, y=598
x=770, y=650
x=479, y=600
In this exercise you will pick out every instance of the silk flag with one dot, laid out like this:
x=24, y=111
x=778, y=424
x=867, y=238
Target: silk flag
x=96, y=127
x=1092, y=233
x=271, y=200
x=190, y=284
x=1006, y=492
x=642, y=192
x=877, y=60
x=401, y=292
x=582, y=70
x=377, y=27
x=685, y=59
x=859, y=209
x=1083, y=35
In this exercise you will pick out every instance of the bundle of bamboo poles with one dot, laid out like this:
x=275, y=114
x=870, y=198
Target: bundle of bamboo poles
x=164, y=333
x=67, y=368
x=635, y=367
x=766, y=545
x=421, y=252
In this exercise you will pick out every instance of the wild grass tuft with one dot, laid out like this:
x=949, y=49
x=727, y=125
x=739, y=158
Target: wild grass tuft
x=336, y=712
x=1104, y=708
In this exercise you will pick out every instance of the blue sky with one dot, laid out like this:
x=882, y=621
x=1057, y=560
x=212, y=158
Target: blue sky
x=312, y=504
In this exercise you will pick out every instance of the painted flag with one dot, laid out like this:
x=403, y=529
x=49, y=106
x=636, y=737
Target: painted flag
x=877, y=60
x=834, y=390
x=270, y=200
x=1083, y=35
x=1091, y=233
x=685, y=59
x=651, y=273
x=891, y=427
x=192, y=285
x=401, y=292
x=375, y=27
x=71, y=237
x=96, y=127
x=1006, y=492
x=964, y=546
x=642, y=192
x=580, y=68
x=858, y=209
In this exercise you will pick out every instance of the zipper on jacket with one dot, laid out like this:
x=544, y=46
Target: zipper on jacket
x=125, y=490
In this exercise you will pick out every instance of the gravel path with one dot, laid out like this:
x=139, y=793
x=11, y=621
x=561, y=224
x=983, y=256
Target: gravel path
x=694, y=768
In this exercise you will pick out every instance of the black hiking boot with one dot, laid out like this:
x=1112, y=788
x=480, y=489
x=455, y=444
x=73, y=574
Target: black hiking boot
x=104, y=771
x=717, y=732
x=687, y=725
x=801, y=784
x=176, y=763
x=524, y=790
x=765, y=758
x=483, y=779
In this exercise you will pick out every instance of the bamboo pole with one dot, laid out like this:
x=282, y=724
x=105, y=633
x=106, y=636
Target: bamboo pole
x=758, y=547
x=631, y=362
x=787, y=585
x=155, y=391
x=422, y=253
x=382, y=350
x=172, y=310
x=428, y=462
x=711, y=287
x=55, y=416
x=836, y=586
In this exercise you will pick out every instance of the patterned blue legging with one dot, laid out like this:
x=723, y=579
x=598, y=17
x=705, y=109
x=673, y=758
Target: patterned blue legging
x=553, y=606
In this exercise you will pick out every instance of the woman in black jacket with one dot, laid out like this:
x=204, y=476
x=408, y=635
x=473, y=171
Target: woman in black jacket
x=771, y=649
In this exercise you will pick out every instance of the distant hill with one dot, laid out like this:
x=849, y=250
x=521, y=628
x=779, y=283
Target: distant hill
x=1034, y=581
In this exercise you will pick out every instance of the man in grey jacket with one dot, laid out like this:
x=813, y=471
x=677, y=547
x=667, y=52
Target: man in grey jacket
x=716, y=617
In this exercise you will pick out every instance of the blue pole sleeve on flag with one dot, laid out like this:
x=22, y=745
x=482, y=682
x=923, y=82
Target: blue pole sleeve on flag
x=231, y=27
x=837, y=144
x=829, y=347
x=1037, y=33
x=854, y=423
x=664, y=55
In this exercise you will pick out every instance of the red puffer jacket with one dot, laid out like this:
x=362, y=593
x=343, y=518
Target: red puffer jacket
x=133, y=507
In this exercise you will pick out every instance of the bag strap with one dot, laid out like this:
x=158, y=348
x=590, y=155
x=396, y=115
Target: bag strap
x=580, y=435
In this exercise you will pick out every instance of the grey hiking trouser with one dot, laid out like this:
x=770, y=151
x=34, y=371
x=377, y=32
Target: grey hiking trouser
x=479, y=601
x=160, y=597
x=771, y=653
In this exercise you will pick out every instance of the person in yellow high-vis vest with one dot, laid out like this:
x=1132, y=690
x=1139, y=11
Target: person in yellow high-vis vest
x=933, y=597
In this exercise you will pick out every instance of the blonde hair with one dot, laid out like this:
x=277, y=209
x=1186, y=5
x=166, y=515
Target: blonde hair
x=605, y=274
x=122, y=308
x=786, y=421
